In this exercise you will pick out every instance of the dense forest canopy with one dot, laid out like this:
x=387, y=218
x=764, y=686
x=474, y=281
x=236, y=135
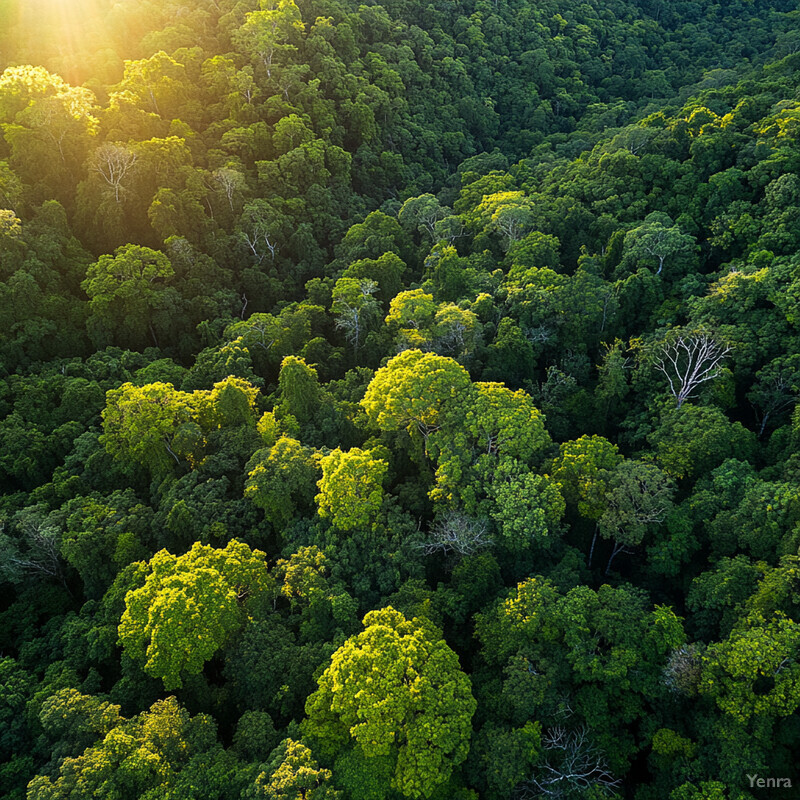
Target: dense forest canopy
x=399, y=401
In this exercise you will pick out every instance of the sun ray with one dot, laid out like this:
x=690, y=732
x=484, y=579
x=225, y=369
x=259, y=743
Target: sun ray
x=66, y=36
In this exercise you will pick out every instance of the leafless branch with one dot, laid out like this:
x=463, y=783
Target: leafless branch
x=457, y=533
x=114, y=162
x=689, y=361
x=572, y=764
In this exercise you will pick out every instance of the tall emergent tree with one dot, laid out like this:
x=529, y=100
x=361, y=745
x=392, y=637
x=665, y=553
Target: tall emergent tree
x=393, y=704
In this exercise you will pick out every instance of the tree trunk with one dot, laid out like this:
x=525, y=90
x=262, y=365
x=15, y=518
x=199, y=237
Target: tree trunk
x=591, y=549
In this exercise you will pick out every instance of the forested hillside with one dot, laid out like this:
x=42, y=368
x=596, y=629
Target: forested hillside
x=399, y=401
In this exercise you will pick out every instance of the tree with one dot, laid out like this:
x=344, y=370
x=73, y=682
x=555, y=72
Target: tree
x=755, y=671
x=158, y=84
x=152, y=425
x=595, y=656
x=291, y=773
x=281, y=480
x=456, y=331
x=270, y=338
x=527, y=507
x=350, y=488
x=688, y=360
x=48, y=125
x=386, y=271
x=128, y=293
x=640, y=495
x=230, y=182
x=424, y=213
x=300, y=390
x=394, y=695
x=693, y=440
x=115, y=164
x=271, y=32
x=583, y=469
x=509, y=213
x=455, y=532
x=190, y=606
x=355, y=308
x=34, y=552
x=104, y=534
x=573, y=765
x=416, y=391
x=263, y=227
x=505, y=423
x=656, y=238
x=411, y=318
x=776, y=389
x=74, y=721
x=139, y=757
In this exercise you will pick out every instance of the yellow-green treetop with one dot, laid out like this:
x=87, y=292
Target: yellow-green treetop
x=350, y=488
x=189, y=607
x=395, y=691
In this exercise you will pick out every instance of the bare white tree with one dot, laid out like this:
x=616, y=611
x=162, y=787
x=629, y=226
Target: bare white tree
x=457, y=533
x=688, y=361
x=40, y=556
x=682, y=672
x=541, y=334
x=353, y=318
x=573, y=764
x=513, y=222
x=230, y=182
x=114, y=162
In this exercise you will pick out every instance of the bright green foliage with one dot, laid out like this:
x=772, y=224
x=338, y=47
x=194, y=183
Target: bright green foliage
x=415, y=391
x=755, y=672
x=528, y=507
x=47, y=124
x=75, y=721
x=268, y=428
x=583, y=469
x=656, y=240
x=395, y=690
x=508, y=213
x=269, y=33
x=189, y=607
x=229, y=403
x=410, y=318
x=152, y=425
x=140, y=757
x=539, y=199
x=505, y=423
x=282, y=479
x=351, y=489
x=484, y=424
x=304, y=575
x=291, y=773
x=299, y=385
x=157, y=426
